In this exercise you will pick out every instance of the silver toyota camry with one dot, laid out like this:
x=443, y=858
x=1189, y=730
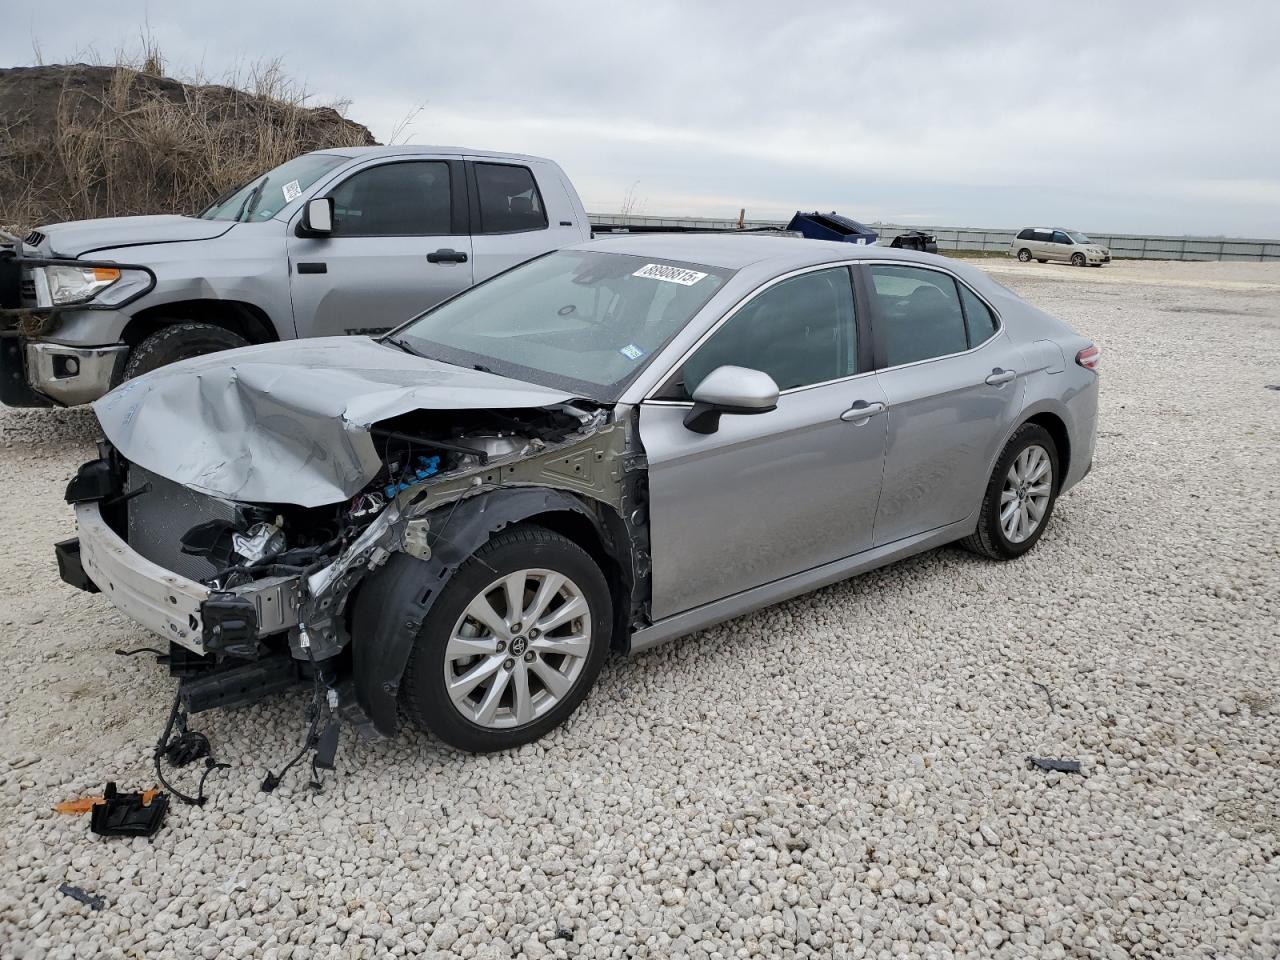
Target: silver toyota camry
x=610, y=446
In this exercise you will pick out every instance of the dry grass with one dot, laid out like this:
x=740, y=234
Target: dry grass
x=80, y=141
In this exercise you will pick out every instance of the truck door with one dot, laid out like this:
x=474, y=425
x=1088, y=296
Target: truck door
x=518, y=211
x=399, y=245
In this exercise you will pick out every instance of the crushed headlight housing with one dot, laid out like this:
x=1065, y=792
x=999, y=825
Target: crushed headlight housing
x=71, y=284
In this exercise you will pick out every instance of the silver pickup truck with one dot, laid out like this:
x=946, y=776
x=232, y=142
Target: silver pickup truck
x=347, y=241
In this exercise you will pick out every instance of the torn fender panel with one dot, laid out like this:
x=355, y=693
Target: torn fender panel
x=289, y=422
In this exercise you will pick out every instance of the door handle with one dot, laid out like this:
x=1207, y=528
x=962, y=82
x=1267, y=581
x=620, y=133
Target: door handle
x=313, y=268
x=445, y=255
x=862, y=411
x=998, y=377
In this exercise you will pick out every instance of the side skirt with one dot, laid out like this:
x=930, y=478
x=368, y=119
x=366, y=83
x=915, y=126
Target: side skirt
x=762, y=596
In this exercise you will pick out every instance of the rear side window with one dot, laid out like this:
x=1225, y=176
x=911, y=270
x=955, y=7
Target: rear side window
x=982, y=322
x=509, y=199
x=407, y=199
x=800, y=332
x=918, y=314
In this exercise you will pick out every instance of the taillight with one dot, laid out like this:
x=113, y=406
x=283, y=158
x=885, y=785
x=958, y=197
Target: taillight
x=1089, y=357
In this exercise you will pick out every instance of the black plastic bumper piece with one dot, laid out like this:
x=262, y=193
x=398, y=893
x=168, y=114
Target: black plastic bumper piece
x=70, y=569
x=14, y=389
x=230, y=625
x=239, y=685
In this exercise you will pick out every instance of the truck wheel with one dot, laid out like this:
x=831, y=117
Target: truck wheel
x=181, y=341
x=513, y=643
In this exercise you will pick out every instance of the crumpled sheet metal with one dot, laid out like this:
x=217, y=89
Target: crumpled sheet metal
x=289, y=422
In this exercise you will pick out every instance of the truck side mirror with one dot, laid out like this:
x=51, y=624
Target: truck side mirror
x=317, y=218
x=730, y=389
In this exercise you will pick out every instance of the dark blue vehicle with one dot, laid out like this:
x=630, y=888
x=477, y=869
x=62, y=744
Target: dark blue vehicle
x=832, y=226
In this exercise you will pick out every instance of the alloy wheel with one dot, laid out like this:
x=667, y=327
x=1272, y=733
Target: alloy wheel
x=1028, y=485
x=518, y=648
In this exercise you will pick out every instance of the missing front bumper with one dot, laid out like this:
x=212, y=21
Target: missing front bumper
x=181, y=610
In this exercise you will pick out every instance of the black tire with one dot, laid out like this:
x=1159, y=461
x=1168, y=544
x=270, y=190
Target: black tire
x=1078, y=260
x=989, y=538
x=423, y=693
x=1041, y=261
x=181, y=341
x=1024, y=255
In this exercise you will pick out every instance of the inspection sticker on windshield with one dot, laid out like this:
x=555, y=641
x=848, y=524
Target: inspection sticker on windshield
x=632, y=352
x=292, y=191
x=659, y=271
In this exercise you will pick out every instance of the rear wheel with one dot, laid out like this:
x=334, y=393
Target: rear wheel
x=181, y=341
x=1024, y=255
x=1020, y=496
x=512, y=645
x=1077, y=260
x=1038, y=260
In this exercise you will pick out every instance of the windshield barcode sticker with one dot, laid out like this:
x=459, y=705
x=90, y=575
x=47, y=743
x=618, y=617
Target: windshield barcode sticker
x=658, y=271
x=292, y=191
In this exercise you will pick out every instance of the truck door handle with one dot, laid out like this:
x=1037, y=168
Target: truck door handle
x=998, y=377
x=445, y=255
x=313, y=268
x=862, y=411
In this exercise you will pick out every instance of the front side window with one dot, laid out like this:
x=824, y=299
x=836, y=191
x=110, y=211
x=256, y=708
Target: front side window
x=1060, y=237
x=578, y=320
x=918, y=314
x=800, y=331
x=509, y=199
x=405, y=199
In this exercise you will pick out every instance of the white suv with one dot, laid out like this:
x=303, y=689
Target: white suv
x=1043, y=244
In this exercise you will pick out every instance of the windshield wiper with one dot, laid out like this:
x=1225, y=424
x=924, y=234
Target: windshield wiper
x=250, y=202
x=402, y=345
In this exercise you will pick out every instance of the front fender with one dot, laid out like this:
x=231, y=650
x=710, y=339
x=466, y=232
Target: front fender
x=393, y=601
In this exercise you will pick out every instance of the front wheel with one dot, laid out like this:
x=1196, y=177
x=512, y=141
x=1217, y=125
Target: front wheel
x=1024, y=255
x=512, y=645
x=180, y=341
x=1077, y=260
x=1020, y=495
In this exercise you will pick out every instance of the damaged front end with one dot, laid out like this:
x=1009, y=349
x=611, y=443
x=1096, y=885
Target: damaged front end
x=255, y=596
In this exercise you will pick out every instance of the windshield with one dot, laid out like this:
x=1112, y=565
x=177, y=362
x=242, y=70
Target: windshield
x=578, y=320
x=263, y=197
x=1078, y=237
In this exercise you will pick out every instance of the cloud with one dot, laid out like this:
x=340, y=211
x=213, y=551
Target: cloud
x=1136, y=116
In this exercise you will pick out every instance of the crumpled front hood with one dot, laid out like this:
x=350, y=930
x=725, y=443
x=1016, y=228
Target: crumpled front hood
x=289, y=422
x=78, y=237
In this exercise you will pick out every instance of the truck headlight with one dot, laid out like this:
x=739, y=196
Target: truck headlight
x=70, y=284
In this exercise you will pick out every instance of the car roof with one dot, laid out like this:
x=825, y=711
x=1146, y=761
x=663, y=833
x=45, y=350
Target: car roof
x=734, y=251
x=409, y=149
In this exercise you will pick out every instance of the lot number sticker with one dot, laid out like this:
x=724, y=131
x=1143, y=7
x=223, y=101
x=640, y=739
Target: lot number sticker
x=658, y=271
x=292, y=191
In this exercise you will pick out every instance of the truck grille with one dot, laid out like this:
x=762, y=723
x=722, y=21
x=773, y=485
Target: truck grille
x=159, y=518
x=34, y=238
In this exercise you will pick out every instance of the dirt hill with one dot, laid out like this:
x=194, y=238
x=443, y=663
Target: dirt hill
x=81, y=141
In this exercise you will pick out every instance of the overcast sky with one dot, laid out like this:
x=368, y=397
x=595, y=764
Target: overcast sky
x=1158, y=117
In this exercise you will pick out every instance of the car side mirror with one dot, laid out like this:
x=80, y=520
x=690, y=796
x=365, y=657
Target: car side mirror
x=317, y=218
x=730, y=390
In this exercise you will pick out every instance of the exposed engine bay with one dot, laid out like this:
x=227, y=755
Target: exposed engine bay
x=281, y=578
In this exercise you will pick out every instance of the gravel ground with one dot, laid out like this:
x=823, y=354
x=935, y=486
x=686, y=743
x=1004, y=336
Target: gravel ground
x=839, y=776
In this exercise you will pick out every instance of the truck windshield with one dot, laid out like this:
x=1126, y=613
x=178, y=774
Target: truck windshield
x=577, y=320
x=265, y=196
